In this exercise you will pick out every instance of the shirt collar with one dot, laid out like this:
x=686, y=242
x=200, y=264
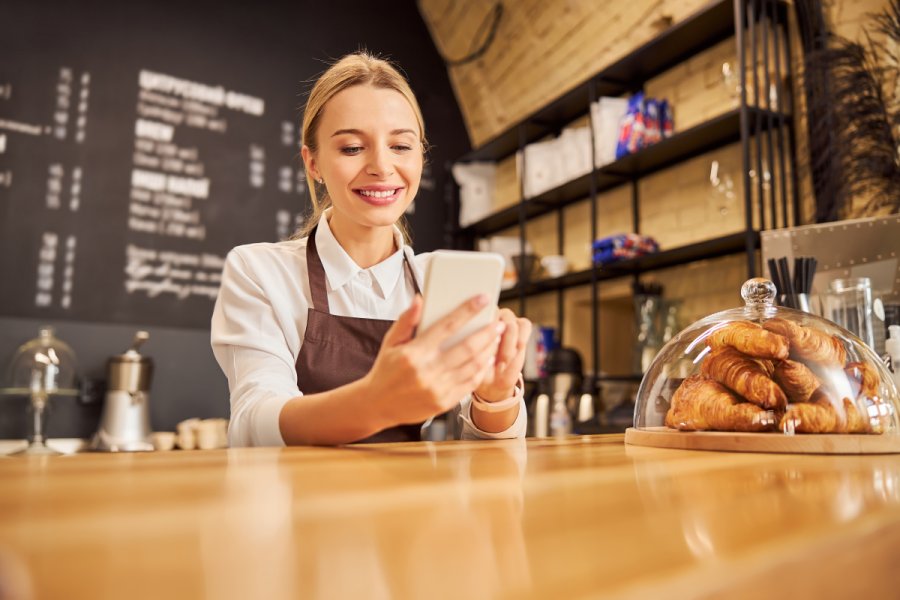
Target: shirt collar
x=340, y=268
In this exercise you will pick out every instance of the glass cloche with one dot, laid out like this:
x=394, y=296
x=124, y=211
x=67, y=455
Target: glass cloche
x=763, y=368
x=41, y=368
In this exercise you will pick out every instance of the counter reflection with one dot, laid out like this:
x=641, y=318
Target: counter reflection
x=760, y=496
x=374, y=522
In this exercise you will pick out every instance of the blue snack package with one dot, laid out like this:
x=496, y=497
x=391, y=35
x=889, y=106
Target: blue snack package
x=652, y=124
x=667, y=119
x=631, y=130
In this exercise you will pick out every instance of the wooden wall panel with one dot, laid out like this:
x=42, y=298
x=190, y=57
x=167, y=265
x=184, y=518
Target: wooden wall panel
x=542, y=48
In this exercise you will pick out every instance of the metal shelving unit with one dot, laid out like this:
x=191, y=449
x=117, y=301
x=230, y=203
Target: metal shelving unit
x=763, y=117
x=713, y=248
x=709, y=135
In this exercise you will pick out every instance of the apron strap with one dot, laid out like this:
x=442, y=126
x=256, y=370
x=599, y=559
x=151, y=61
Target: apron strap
x=317, y=279
x=411, y=271
x=316, y=274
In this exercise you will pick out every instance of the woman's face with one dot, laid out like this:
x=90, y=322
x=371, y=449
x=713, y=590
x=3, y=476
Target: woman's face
x=369, y=155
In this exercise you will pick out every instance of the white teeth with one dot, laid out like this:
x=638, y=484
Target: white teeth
x=376, y=194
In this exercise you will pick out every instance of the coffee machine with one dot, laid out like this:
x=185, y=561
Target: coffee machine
x=125, y=423
x=555, y=405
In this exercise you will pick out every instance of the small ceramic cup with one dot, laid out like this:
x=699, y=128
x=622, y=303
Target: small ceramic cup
x=555, y=265
x=163, y=440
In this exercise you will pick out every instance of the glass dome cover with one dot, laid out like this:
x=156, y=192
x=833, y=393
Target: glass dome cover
x=42, y=366
x=767, y=369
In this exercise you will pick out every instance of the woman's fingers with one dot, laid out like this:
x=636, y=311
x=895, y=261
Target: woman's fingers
x=484, y=339
x=525, y=328
x=514, y=364
x=459, y=381
x=498, y=384
x=509, y=342
x=430, y=380
x=447, y=326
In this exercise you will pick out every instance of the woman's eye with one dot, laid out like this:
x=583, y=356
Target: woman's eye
x=402, y=147
x=351, y=150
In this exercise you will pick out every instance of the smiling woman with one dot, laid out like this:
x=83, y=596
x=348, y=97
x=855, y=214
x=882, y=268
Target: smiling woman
x=370, y=159
x=370, y=108
x=315, y=334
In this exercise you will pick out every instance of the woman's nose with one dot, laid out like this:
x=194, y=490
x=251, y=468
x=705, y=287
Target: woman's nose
x=380, y=163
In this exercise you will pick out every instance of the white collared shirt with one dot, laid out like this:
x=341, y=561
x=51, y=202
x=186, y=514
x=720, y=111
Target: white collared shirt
x=259, y=322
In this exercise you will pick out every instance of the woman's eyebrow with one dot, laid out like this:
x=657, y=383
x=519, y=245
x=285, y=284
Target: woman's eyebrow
x=358, y=132
x=347, y=132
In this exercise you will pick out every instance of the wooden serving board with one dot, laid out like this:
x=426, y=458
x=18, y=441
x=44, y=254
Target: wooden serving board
x=663, y=437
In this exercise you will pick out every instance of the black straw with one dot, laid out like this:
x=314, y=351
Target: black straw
x=812, y=272
x=773, y=273
x=786, y=277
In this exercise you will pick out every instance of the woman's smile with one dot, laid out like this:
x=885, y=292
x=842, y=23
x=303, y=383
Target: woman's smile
x=379, y=195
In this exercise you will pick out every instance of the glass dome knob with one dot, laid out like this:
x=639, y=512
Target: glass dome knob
x=759, y=292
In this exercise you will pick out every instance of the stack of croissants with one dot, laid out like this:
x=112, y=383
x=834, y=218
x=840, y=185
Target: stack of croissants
x=778, y=376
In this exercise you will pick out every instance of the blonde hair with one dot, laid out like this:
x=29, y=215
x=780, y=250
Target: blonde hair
x=359, y=68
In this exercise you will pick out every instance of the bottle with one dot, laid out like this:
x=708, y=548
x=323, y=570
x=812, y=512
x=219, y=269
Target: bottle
x=541, y=415
x=560, y=419
x=892, y=347
x=585, y=407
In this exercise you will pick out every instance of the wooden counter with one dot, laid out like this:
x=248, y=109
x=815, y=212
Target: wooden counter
x=580, y=517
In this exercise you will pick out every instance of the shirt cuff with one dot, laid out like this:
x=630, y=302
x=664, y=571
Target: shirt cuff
x=472, y=432
x=264, y=421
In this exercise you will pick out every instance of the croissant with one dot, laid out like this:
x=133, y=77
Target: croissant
x=821, y=416
x=796, y=380
x=863, y=378
x=702, y=404
x=745, y=376
x=751, y=339
x=808, y=344
x=767, y=365
x=865, y=382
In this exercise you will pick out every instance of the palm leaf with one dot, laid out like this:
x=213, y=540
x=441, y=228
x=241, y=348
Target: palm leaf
x=853, y=127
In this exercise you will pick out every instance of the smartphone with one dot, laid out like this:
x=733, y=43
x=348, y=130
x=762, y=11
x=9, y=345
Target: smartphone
x=454, y=276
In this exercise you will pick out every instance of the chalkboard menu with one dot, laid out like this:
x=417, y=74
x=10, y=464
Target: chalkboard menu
x=137, y=148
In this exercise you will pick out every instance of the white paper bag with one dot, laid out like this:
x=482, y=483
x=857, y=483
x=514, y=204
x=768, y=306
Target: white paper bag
x=543, y=167
x=575, y=153
x=606, y=115
x=476, y=190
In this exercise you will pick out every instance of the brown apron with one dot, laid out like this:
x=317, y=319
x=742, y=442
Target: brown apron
x=339, y=350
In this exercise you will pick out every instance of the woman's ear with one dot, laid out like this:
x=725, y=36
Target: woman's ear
x=309, y=160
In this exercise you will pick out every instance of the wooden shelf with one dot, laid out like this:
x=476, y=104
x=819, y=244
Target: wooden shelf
x=629, y=378
x=698, y=32
x=709, y=135
x=721, y=246
x=632, y=378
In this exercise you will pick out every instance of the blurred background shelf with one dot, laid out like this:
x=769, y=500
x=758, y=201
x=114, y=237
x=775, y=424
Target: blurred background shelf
x=684, y=145
x=728, y=244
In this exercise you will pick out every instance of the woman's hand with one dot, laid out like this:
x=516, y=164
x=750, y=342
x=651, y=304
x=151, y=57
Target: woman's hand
x=413, y=379
x=500, y=381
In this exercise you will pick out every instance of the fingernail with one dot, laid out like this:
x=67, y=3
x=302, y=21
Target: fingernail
x=481, y=300
x=501, y=327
